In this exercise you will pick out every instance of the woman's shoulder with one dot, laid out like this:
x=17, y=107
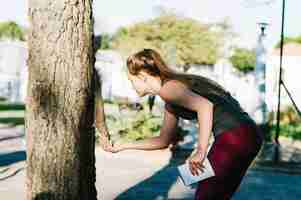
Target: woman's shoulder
x=171, y=89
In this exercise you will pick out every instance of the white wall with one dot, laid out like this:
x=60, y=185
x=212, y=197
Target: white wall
x=111, y=69
x=13, y=70
x=290, y=76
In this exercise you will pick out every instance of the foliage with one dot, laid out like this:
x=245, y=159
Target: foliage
x=107, y=101
x=290, y=124
x=289, y=116
x=11, y=114
x=136, y=126
x=288, y=130
x=11, y=30
x=6, y=106
x=180, y=40
x=243, y=59
x=105, y=41
x=13, y=121
x=289, y=40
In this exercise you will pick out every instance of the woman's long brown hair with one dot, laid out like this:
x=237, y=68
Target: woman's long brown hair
x=150, y=61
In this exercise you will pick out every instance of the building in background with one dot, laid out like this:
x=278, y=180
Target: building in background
x=291, y=70
x=111, y=69
x=13, y=70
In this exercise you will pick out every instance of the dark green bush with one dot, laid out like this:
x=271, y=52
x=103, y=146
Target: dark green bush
x=11, y=30
x=290, y=124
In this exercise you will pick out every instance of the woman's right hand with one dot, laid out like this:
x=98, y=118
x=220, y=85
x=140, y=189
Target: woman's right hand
x=117, y=147
x=105, y=143
x=113, y=148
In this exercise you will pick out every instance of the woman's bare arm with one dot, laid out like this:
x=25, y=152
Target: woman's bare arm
x=184, y=97
x=100, y=121
x=167, y=133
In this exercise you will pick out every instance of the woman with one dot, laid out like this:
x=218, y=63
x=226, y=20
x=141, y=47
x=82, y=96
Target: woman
x=237, y=138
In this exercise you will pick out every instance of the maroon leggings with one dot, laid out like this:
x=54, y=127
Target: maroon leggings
x=230, y=156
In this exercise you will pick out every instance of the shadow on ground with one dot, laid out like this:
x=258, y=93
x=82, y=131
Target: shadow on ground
x=264, y=179
x=281, y=158
x=12, y=157
x=163, y=180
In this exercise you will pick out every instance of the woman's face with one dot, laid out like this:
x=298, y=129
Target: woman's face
x=139, y=84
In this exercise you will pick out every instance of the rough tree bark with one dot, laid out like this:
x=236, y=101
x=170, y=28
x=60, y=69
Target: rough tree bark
x=60, y=101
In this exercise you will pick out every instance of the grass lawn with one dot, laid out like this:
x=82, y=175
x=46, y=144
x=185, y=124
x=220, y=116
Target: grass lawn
x=11, y=114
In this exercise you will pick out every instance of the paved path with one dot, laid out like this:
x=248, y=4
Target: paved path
x=151, y=175
x=147, y=175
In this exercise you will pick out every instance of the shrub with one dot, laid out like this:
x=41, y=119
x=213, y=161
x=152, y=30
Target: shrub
x=181, y=40
x=11, y=30
x=243, y=59
x=289, y=40
x=290, y=124
x=136, y=125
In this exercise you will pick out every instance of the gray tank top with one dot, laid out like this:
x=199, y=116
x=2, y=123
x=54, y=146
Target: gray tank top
x=227, y=112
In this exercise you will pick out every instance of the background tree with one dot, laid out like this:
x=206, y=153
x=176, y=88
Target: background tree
x=11, y=30
x=243, y=59
x=105, y=40
x=194, y=42
x=286, y=40
x=60, y=104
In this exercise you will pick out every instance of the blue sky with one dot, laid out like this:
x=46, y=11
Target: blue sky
x=243, y=14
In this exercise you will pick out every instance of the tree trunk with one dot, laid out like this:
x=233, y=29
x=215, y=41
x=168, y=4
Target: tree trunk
x=60, y=101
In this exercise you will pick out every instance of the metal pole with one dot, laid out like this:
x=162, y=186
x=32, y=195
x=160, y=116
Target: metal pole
x=279, y=84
